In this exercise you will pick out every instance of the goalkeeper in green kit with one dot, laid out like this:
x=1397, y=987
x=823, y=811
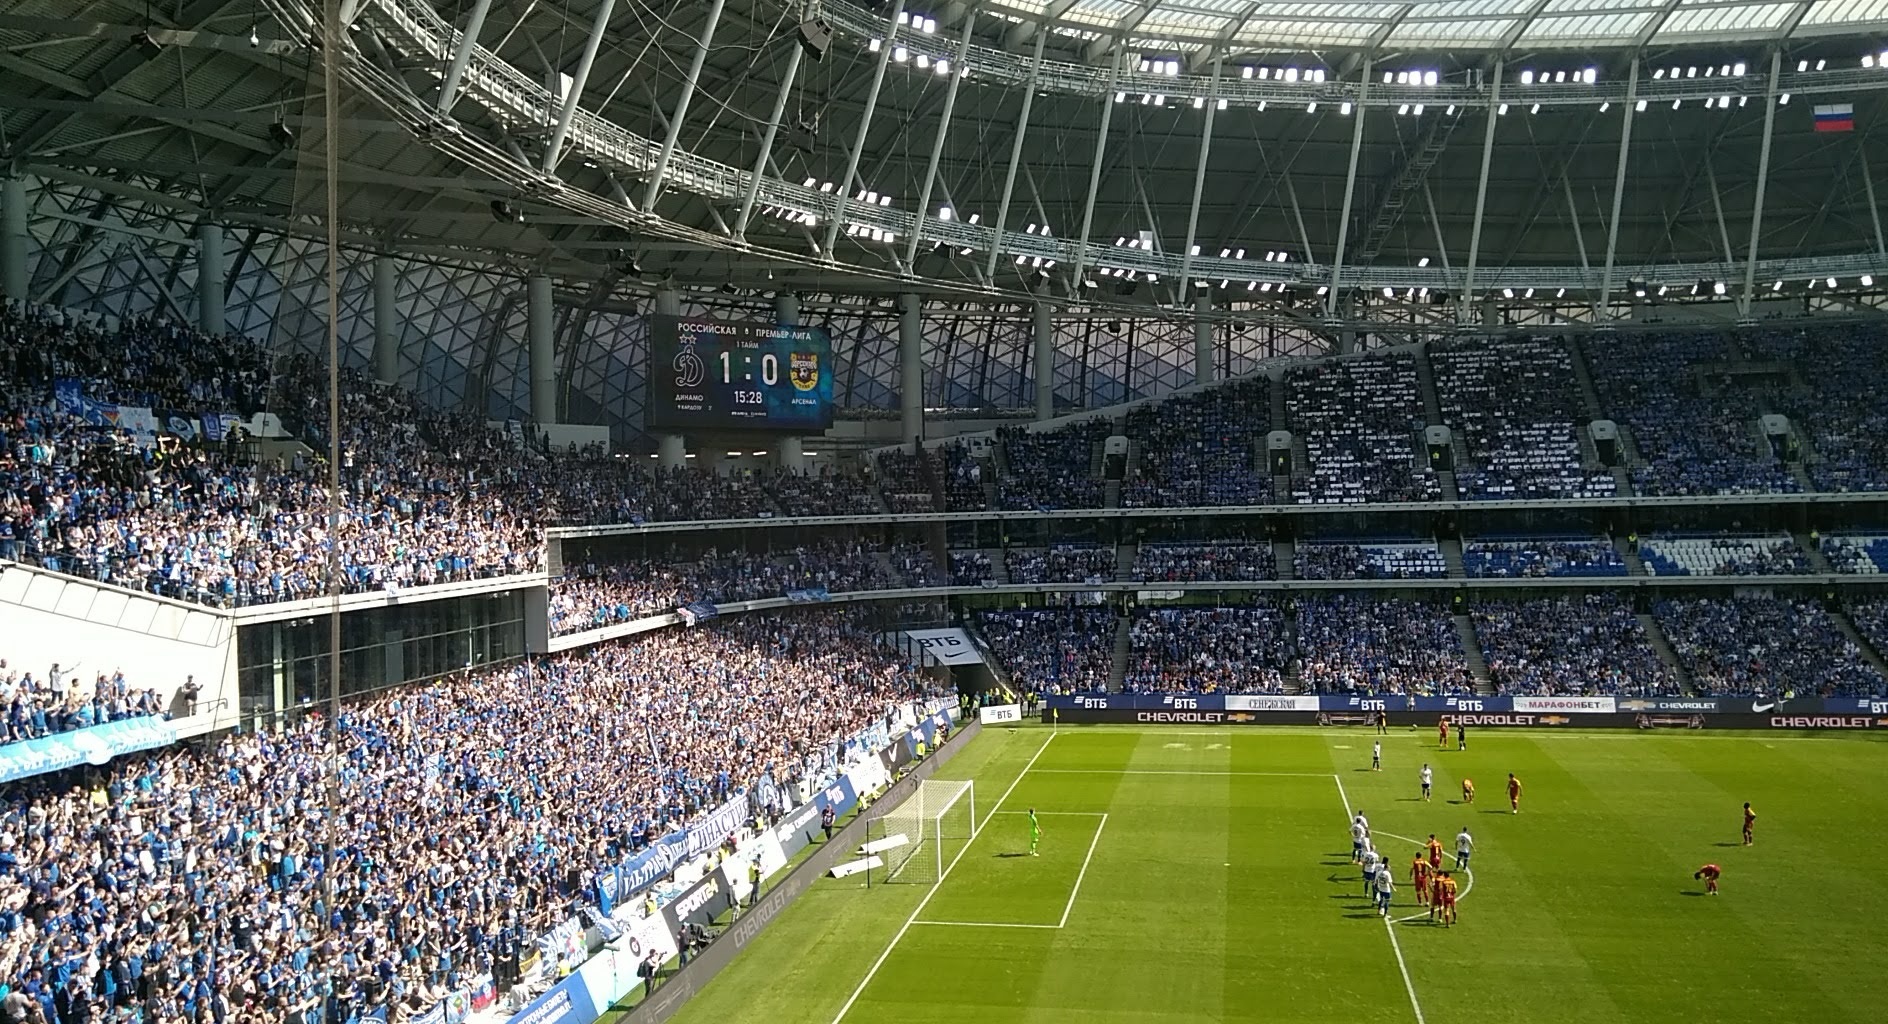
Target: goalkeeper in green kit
x=1035, y=832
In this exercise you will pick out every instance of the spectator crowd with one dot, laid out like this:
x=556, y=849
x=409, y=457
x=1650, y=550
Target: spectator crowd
x=467, y=818
x=1580, y=644
x=1235, y=649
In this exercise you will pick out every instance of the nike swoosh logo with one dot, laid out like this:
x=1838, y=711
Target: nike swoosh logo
x=1759, y=707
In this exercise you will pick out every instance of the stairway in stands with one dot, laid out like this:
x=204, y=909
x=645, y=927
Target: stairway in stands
x=1426, y=386
x=1655, y=634
x=1818, y=561
x=1635, y=566
x=1452, y=557
x=999, y=567
x=1118, y=669
x=1124, y=555
x=1472, y=654
x=1283, y=552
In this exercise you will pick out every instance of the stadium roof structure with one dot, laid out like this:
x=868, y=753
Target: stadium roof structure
x=1315, y=160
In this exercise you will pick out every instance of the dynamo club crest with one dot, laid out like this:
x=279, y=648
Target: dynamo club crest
x=803, y=368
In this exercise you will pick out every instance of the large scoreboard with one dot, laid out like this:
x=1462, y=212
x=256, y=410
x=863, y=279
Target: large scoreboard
x=704, y=374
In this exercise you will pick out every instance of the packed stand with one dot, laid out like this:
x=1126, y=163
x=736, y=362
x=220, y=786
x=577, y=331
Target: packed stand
x=911, y=482
x=1358, y=420
x=1534, y=558
x=1200, y=563
x=472, y=813
x=1764, y=645
x=1240, y=649
x=905, y=481
x=598, y=594
x=821, y=493
x=1050, y=469
x=1357, y=644
x=1369, y=561
x=1052, y=650
x=58, y=701
x=1201, y=449
x=1841, y=412
x=1871, y=620
x=971, y=569
x=1574, y=644
x=1722, y=556
x=1857, y=554
x=1518, y=411
x=914, y=566
x=1061, y=563
x=1691, y=443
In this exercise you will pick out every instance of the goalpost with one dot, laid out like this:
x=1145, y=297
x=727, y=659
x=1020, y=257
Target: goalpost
x=919, y=837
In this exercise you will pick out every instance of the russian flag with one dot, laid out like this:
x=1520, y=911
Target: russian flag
x=1835, y=117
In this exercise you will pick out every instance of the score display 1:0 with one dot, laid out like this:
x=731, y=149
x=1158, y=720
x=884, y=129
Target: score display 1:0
x=769, y=369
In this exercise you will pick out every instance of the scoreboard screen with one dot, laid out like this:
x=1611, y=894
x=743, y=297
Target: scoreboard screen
x=705, y=374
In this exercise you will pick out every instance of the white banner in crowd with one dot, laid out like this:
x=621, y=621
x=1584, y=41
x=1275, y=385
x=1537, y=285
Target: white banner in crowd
x=999, y=714
x=946, y=646
x=868, y=775
x=1235, y=702
x=1567, y=705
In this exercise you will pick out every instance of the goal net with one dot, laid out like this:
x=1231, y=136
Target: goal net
x=919, y=837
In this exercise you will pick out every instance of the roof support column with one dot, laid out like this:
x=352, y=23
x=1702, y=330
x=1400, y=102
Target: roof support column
x=1481, y=195
x=1868, y=188
x=1044, y=337
x=1763, y=179
x=386, y=332
x=1199, y=179
x=1094, y=174
x=555, y=148
x=1601, y=308
x=1350, y=191
x=767, y=142
x=838, y=222
x=538, y=314
x=1579, y=234
x=1202, y=336
x=462, y=55
x=792, y=448
x=671, y=449
x=13, y=275
x=1016, y=156
x=937, y=141
x=212, y=274
x=911, y=365
x=681, y=104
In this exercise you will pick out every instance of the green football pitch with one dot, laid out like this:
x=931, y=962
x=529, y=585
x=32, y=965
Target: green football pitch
x=1205, y=875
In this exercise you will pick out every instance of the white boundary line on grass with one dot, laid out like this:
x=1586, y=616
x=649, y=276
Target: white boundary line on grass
x=1388, y=928
x=1079, y=875
x=1074, y=891
x=1150, y=771
x=948, y=868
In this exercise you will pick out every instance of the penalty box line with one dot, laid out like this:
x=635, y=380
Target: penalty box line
x=977, y=826
x=1074, y=891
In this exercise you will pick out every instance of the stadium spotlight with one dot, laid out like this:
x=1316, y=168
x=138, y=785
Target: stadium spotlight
x=1592, y=75
x=1507, y=293
x=1868, y=280
x=1717, y=288
x=1777, y=286
x=1535, y=109
x=1605, y=106
x=1430, y=78
x=1638, y=288
x=1527, y=78
x=1832, y=282
x=1802, y=65
x=1343, y=108
x=1423, y=262
x=1658, y=72
x=1502, y=111
x=281, y=134
x=1662, y=290
x=504, y=213
x=1639, y=106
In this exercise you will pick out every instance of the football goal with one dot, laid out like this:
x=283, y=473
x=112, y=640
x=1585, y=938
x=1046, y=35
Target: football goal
x=919, y=837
